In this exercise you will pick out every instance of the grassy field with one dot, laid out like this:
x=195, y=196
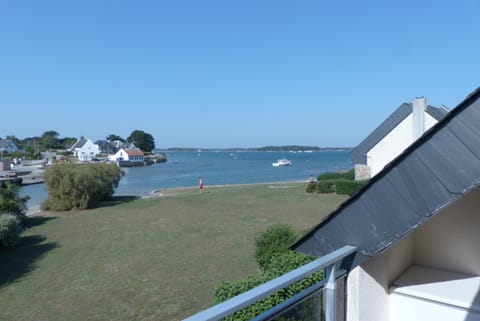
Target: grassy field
x=149, y=259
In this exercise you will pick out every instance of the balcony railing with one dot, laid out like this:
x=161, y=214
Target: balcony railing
x=320, y=299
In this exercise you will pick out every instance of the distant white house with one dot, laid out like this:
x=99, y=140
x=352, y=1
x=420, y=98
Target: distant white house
x=134, y=156
x=404, y=126
x=84, y=149
x=7, y=145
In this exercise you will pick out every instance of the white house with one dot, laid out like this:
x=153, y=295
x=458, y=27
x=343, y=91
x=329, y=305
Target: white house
x=393, y=136
x=135, y=156
x=7, y=145
x=415, y=227
x=84, y=149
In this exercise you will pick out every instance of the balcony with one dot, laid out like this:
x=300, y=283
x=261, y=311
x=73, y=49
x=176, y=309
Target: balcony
x=323, y=301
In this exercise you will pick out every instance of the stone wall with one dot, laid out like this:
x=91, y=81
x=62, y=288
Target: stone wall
x=362, y=172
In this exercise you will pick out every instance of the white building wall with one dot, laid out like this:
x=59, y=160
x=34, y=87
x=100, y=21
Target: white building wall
x=368, y=284
x=88, y=151
x=120, y=155
x=394, y=143
x=449, y=241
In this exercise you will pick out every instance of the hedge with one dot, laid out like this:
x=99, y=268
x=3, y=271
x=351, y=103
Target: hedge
x=325, y=186
x=347, y=187
x=311, y=187
x=350, y=175
x=275, y=259
x=10, y=229
x=279, y=265
x=276, y=239
x=342, y=183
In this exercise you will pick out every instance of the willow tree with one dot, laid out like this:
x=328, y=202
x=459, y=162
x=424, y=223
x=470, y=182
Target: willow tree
x=82, y=186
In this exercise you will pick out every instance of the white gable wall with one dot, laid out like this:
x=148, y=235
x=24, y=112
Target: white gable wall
x=367, y=284
x=88, y=151
x=121, y=155
x=449, y=241
x=394, y=143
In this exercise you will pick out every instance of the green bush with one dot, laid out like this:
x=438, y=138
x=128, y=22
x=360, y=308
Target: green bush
x=350, y=175
x=276, y=239
x=311, y=187
x=79, y=186
x=346, y=187
x=11, y=202
x=325, y=187
x=10, y=229
x=280, y=264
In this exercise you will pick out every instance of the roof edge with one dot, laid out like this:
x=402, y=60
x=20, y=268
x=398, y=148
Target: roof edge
x=424, y=138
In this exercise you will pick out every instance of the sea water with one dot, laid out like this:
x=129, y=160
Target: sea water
x=183, y=169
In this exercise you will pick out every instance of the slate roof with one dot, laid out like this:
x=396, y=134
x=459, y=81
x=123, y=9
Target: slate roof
x=79, y=143
x=4, y=143
x=105, y=146
x=359, y=153
x=435, y=171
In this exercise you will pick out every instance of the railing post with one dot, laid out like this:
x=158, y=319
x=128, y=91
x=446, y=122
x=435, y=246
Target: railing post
x=329, y=297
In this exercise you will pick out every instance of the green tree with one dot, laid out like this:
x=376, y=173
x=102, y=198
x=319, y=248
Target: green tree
x=49, y=139
x=14, y=139
x=142, y=140
x=10, y=229
x=113, y=137
x=11, y=202
x=83, y=186
x=276, y=239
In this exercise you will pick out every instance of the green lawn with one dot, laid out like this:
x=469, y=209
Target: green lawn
x=150, y=259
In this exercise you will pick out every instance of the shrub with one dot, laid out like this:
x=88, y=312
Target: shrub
x=10, y=229
x=11, y=202
x=311, y=187
x=280, y=264
x=276, y=239
x=350, y=175
x=325, y=187
x=346, y=187
x=79, y=186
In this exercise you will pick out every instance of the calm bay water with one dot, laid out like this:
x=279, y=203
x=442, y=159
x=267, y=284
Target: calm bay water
x=218, y=168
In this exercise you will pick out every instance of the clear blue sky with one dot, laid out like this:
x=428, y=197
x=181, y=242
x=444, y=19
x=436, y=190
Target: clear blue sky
x=228, y=73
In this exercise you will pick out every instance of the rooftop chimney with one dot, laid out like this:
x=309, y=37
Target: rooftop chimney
x=418, y=113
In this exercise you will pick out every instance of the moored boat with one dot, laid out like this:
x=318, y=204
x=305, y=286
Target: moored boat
x=282, y=162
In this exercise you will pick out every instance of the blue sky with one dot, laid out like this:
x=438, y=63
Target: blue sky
x=228, y=73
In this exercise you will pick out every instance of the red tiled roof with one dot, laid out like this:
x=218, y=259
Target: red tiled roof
x=134, y=152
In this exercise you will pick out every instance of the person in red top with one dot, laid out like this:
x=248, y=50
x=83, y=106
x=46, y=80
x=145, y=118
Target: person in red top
x=200, y=183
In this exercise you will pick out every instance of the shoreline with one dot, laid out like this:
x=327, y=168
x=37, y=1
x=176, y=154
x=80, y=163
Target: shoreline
x=171, y=191
x=156, y=191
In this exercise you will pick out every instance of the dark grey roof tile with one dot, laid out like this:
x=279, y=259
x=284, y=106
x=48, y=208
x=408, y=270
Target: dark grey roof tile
x=437, y=112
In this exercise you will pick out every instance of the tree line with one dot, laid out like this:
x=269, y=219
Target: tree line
x=31, y=147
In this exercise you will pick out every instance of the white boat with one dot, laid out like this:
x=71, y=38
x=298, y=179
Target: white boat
x=282, y=162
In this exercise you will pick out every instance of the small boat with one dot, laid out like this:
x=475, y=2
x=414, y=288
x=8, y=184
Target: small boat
x=282, y=162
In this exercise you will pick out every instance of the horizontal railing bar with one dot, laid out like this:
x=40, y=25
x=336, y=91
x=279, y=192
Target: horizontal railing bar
x=240, y=301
